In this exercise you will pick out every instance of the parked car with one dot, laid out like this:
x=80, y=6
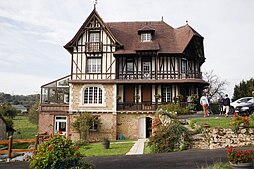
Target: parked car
x=246, y=108
x=240, y=101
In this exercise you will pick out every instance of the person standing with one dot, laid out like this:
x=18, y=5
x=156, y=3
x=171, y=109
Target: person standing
x=205, y=104
x=226, y=105
x=220, y=101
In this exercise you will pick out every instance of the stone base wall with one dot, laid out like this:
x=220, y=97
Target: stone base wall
x=221, y=138
x=127, y=124
x=107, y=128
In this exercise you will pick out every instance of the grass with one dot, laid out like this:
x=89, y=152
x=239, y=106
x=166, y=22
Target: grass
x=97, y=149
x=24, y=127
x=216, y=122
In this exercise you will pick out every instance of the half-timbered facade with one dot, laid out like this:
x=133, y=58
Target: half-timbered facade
x=121, y=72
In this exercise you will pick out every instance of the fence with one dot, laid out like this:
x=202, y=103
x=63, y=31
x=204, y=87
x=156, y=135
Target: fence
x=38, y=138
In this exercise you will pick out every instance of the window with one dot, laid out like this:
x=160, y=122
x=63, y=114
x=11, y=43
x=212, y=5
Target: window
x=60, y=124
x=166, y=94
x=94, y=124
x=93, y=65
x=94, y=37
x=146, y=37
x=93, y=95
x=129, y=66
x=184, y=66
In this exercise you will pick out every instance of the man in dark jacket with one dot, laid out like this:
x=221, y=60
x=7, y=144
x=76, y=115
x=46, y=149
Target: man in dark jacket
x=226, y=105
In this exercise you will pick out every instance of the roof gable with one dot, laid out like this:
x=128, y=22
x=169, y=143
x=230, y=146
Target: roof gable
x=93, y=20
x=183, y=35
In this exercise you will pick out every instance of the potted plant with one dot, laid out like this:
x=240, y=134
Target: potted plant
x=157, y=96
x=239, y=158
x=118, y=97
x=106, y=143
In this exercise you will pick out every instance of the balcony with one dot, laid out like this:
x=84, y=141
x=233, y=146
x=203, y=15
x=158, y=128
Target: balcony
x=143, y=106
x=128, y=75
x=132, y=106
x=94, y=47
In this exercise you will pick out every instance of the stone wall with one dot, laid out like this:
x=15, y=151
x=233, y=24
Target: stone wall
x=107, y=128
x=221, y=138
x=127, y=124
x=109, y=98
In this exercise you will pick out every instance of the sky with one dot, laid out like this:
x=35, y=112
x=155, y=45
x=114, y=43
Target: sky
x=33, y=33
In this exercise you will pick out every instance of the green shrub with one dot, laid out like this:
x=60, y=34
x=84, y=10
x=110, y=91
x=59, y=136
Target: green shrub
x=174, y=137
x=215, y=108
x=57, y=152
x=173, y=107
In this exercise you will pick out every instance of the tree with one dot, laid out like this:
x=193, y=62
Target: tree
x=217, y=85
x=244, y=89
x=33, y=113
x=8, y=112
x=83, y=123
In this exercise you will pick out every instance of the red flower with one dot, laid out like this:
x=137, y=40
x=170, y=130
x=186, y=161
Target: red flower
x=249, y=151
x=237, y=155
x=50, y=147
x=229, y=151
x=76, y=148
x=60, y=132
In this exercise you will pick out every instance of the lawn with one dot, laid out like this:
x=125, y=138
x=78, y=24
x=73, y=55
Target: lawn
x=97, y=149
x=216, y=122
x=24, y=128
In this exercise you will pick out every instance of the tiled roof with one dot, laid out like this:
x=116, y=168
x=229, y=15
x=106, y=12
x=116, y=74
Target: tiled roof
x=165, y=39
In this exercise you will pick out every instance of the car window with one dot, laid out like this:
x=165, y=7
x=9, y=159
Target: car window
x=251, y=101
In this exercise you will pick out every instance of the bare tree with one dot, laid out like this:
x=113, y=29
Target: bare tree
x=217, y=85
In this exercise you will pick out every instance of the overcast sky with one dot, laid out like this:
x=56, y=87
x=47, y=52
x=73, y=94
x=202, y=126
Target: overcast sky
x=33, y=33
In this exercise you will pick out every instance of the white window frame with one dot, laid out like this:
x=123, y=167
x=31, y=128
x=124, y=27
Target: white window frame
x=57, y=123
x=92, y=103
x=93, y=65
x=94, y=37
x=146, y=37
x=166, y=93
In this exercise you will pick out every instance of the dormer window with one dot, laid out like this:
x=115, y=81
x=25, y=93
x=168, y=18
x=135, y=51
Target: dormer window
x=146, y=37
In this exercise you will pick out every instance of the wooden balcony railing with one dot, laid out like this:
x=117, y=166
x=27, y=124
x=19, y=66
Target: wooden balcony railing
x=160, y=75
x=132, y=106
x=92, y=47
x=143, y=106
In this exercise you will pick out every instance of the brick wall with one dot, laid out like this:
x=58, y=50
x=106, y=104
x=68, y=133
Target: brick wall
x=47, y=114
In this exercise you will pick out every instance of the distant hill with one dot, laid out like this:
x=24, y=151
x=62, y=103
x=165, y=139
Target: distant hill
x=26, y=101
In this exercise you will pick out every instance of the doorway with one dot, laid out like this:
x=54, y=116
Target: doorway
x=145, y=127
